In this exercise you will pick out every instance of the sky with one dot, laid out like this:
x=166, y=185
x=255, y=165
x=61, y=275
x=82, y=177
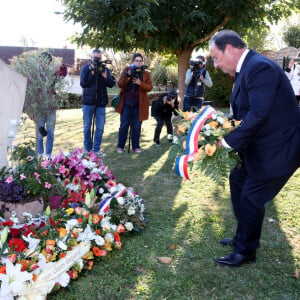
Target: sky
x=36, y=22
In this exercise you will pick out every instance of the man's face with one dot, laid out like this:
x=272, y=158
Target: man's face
x=224, y=60
x=99, y=55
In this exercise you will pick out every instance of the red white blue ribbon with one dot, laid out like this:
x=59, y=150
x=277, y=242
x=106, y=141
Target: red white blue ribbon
x=181, y=162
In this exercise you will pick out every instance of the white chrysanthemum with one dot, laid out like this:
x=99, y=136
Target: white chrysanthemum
x=99, y=240
x=121, y=200
x=61, y=245
x=131, y=211
x=128, y=226
x=207, y=126
x=101, y=190
x=88, y=164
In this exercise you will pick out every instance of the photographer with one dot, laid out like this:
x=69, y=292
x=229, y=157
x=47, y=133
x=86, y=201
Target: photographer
x=293, y=74
x=196, y=78
x=94, y=79
x=134, y=84
x=165, y=105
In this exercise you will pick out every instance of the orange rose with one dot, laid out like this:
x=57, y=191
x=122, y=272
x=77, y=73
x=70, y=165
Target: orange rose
x=187, y=115
x=181, y=128
x=199, y=154
x=226, y=124
x=62, y=232
x=213, y=124
x=210, y=150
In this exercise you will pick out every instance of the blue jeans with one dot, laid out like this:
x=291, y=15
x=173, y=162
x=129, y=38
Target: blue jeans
x=129, y=113
x=49, y=124
x=192, y=103
x=88, y=112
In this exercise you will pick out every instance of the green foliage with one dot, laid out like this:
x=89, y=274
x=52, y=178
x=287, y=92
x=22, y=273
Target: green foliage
x=256, y=38
x=219, y=168
x=292, y=36
x=164, y=26
x=42, y=83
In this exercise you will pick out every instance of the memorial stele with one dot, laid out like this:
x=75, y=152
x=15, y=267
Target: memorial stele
x=12, y=96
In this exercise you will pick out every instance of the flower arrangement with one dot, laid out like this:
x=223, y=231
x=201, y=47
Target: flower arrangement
x=46, y=252
x=32, y=176
x=199, y=134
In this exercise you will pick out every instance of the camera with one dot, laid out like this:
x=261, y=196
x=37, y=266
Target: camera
x=198, y=68
x=134, y=71
x=171, y=98
x=99, y=66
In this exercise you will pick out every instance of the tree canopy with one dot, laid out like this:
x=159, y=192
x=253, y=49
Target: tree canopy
x=166, y=26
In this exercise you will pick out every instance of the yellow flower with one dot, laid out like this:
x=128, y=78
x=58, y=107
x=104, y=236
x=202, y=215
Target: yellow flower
x=187, y=115
x=213, y=124
x=210, y=150
x=70, y=210
x=62, y=232
x=89, y=255
x=107, y=247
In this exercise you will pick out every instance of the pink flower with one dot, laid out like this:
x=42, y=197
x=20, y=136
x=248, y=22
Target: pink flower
x=22, y=176
x=36, y=175
x=9, y=179
x=44, y=164
x=62, y=169
x=47, y=185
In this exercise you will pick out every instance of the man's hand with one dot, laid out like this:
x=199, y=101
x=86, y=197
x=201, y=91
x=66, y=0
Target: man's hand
x=104, y=74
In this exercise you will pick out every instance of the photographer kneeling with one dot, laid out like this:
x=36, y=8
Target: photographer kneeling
x=94, y=79
x=196, y=78
x=162, y=111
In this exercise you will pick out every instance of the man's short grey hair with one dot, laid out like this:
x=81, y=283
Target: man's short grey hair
x=227, y=37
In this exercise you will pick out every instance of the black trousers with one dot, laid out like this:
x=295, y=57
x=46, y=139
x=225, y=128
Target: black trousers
x=160, y=123
x=248, y=197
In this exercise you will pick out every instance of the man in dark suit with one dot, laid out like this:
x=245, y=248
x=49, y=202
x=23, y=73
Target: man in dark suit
x=268, y=138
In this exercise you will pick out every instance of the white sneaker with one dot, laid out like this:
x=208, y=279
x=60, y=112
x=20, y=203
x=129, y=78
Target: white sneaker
x=137, y=150
x=120, y=150
x=100, y=153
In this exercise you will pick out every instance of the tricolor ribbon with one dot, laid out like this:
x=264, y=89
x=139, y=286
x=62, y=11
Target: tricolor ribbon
x=192, y=142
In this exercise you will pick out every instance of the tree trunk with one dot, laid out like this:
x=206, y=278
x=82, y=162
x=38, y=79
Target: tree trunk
x=183, y=64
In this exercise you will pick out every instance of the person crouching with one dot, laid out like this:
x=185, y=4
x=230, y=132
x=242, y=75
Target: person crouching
x=165, y=106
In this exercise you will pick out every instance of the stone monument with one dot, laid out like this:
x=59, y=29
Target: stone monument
x=12, y=96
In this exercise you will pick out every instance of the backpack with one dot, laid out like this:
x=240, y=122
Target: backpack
x=115, y=101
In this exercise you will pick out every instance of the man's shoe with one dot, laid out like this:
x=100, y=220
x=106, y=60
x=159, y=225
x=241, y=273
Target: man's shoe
x=120, y=150
x=228, y=242
x=235, y=259
x=157, y=144
x=137, y=150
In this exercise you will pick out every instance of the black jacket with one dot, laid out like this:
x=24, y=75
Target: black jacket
x=164, y=110
x=88, y=83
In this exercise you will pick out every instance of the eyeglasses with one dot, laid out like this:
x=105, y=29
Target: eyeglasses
x=138, y=60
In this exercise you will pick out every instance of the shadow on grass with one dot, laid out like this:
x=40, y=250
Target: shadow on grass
x=186, y=222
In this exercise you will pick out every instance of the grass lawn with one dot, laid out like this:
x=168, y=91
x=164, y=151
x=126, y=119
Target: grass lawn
x=191, y=217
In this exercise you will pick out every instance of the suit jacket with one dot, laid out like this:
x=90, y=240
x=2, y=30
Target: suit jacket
x=268, y=138
x=145, y=87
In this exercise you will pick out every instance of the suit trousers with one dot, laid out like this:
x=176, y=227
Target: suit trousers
x=248, y=197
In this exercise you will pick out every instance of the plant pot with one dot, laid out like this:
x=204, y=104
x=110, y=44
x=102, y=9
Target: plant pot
x=33, y=206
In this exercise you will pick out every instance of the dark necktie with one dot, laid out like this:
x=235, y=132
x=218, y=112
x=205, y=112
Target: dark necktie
x=236, y=75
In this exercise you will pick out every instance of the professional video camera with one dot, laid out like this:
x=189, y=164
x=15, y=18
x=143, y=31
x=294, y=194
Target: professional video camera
x=134, y=71
x=98, y=65
x=198, y=68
